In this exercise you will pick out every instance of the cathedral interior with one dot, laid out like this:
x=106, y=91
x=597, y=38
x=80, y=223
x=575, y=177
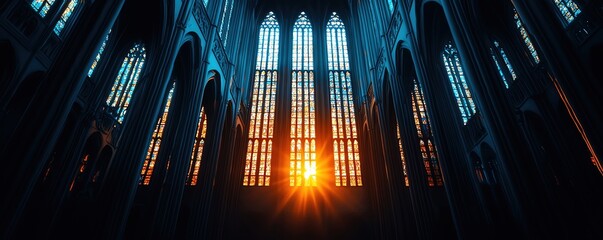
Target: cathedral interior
x=301, y=119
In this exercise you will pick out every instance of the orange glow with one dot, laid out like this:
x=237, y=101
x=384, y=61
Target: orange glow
x=570, y=110
x=155, y=145
x=196, y=156
x=428, y=150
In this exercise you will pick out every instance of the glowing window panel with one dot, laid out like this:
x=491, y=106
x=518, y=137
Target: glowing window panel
x=41, y=6
x=302, y=165
x=505, y=70
x=80, y=172
x=526, y=38
x=205, y=2
x=98, y=55
x=125, y=83
x=428, y=150
x=390, y=4
x=263, y=99
x=406, y=181
x=568, y=8
x=457, y=79
x=195, y=163
x=60, y=25
x=346, y=153
x=155, y=145
x=225, y=22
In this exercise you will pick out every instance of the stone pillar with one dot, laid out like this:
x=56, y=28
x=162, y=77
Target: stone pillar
x=50, y=108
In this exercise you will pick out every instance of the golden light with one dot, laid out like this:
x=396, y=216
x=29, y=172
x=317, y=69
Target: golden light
x=310, y=172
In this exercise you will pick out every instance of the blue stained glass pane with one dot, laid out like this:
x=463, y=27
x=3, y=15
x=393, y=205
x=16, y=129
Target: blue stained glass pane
x=568, y=9
x=60, y=25
x=463, y=96
x=42, y=6
x=125, y=83
x=225, y=22
x=503, y=65
x=98, y=55
x=526, y=39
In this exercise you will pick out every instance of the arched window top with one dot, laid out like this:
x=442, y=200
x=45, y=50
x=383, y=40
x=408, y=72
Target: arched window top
x=337, y=46
x=268, y=41
x=303, y=56
x=568, y=9
x=335, y=21
x=302, y=21
x=125, y=82
x=270, y=21
x=65, y=16
x=41, y=6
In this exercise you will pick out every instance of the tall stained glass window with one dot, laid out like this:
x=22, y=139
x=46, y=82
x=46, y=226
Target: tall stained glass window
x=503, y=65
x=404, y=169
x=568, y=8
x=41, y=6
x=155, y=145
x=302, y=165
x=98, y=55
x=225, y=22
x=127, y=78
x=526, y=38
x=428, y=150
x=263, y=100
x=60, y=25
x=463, y=96
x=343, y=118
x=195, y=164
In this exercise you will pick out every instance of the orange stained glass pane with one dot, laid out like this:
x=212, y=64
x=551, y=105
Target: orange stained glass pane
x=342, y=105
x=154, y=146
x=404, y=170
x=197, y=153
x=423, y=125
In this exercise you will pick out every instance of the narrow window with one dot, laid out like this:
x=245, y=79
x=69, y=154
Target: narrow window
x=65, y=16
x=404, y=169
x=98, y=55
x=127, y=78
x=526, y=38
x=302, y=171
x=225, y=22
x=428, y=150
x=205, y=2
x=195, y=163
x=568, y=9
x=155, y=145
x=503, y=65
x=343, y=118
x=463, y=96
x=263, y=100
x=41, y=6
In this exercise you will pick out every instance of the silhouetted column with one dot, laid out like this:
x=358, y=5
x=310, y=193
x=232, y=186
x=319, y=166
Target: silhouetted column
x=21, y=166
x=117, y=195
